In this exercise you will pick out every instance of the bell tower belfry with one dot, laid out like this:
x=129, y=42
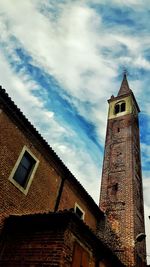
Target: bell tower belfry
x=121, y=195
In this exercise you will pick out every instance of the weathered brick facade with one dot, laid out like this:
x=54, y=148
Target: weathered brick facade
x=121, y=188
x=54, y=239
x=46, y=183
x=51, y=175
x=32, y=230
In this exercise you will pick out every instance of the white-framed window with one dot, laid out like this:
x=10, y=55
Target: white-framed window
x=24, y=170
x=79, y=211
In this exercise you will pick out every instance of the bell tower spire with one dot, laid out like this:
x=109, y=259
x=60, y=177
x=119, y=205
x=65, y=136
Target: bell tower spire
x=121, y=186
x=124, y=88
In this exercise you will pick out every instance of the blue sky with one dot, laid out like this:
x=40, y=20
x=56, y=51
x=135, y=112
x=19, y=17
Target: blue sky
x=62, y=60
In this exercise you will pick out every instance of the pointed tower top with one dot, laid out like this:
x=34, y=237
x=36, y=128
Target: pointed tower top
x=124, y=89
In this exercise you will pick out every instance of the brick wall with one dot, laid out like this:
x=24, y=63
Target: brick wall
x=40, y=248
x=50, y=243
x=120, y=202
x=34, y=249
x=44, y=190
x=70, y=196
x=46, y=182
x=59, y=239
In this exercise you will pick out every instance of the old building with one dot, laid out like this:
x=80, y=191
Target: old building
x=121, y=190
x=47, y=218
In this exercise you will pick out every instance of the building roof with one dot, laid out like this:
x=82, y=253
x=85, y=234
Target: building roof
x=11, y=109
x=66, y=219
x=124, y=91
x=124, y=88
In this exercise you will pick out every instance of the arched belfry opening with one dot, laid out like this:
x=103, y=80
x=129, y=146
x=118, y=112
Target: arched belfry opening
x=120, y=107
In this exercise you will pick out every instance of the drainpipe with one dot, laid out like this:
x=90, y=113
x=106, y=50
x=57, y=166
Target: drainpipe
x=59, y=194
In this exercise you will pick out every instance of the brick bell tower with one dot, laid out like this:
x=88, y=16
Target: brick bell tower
x=121, y=187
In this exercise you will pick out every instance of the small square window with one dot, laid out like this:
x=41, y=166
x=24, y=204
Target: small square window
x=24, y=170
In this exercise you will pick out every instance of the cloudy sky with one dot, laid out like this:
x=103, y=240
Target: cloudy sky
x=61, y=60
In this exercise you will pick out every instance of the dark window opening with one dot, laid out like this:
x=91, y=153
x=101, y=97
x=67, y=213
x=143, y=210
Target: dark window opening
x=79, y=212
x=120, y=107
x=118, y=130
x=116, y=109
x=114, y=188
x=23, y=171
x=123, y=107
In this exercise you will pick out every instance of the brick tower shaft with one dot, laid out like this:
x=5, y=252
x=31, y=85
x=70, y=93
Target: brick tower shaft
x=121, y=187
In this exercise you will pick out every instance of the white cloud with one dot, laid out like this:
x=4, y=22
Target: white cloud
x=54, y=133
x=85, y=170
x=79, y=50
x=32, y=106
x=70, y=48
x=129, y=2
x=126, y=3
x=62, y=47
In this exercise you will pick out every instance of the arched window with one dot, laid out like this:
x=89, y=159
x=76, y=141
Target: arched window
x=120, y=107
x=116, y=108
x=123, y=106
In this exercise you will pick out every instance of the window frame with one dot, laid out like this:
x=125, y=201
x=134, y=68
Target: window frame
x=82, y=211
x=30, y=175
